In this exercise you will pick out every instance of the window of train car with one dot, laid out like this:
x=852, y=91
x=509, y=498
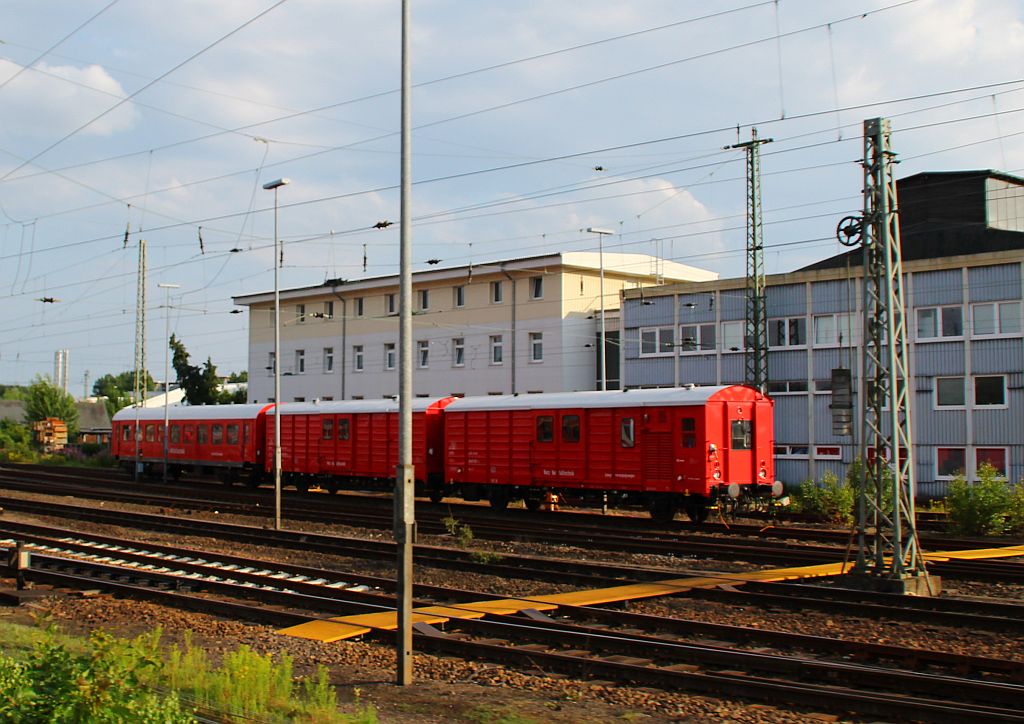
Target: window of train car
x=328, y=428
x=175, y=433
x=545, y=428
x=217, y=434
x=742, y=437
x=126, y=433
x=201, y=434
x=570, y=428
x=343, y=428
x=233, y=434
x=689, y=427
x=246, y=433
x=627, y=432
x=190, y=433
x=150, y=433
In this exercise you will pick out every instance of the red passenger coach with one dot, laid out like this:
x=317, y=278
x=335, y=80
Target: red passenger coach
x=354, y=443
x=225, y=438
x=666, y=448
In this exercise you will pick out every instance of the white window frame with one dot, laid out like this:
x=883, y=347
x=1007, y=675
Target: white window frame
x=935, y=460
x=1006, y=459
x=820, y=454
x=657, y=335
x=459, y=296
x=727, y=332
x=300, y=361
x=391, y=303
x=699, y=340
x=424, y=299
x=458, y=352
x=536, y=347
x=271, y=362
x=328, y=359
x=357, y=358
x=1004, y=314
x=792, y=452
x=497, y=350
x=974, y=393
x=787, y=331
x=359, y=306
x=840, y=322
x=300, y=313
x=423, y=354
x=389, y=355
x=537, y=287
x=497, y=292
x=940, y=324
x=963, y=388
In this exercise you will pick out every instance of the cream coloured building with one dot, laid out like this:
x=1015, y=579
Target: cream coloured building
x=515, y=326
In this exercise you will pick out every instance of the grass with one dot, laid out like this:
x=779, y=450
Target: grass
x=48, y=676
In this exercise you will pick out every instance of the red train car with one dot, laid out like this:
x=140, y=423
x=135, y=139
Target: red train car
x=226, y=438
x=667, y=448
x=354, y=443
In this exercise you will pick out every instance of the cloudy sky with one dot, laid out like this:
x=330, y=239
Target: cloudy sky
x=532, y=121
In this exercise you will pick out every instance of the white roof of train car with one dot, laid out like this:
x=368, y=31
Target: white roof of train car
x=349, y=407
x=192, y=412
x=588, y=399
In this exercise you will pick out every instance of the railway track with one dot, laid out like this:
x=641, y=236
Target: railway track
x=590, y=642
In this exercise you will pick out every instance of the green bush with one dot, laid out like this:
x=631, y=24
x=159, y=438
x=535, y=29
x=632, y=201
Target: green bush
x=833, y=499
x=980, y=508
x=1015, y=513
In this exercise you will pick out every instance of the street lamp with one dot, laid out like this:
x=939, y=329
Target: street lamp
x=604, y=349
x=167, y=363
x=274, y=186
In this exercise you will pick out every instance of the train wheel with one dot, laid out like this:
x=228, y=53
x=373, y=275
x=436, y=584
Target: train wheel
x=697, y=512
x=533, y=502
x=436, y=495
x=302, y=486
x=499, y=498
x=663, y=510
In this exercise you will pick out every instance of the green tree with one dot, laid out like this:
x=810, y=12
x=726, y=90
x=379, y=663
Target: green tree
x=201, y=384
x=242, y=376
x=119, y=389
x=45, y=399
x=15, y=441
x=12, y=392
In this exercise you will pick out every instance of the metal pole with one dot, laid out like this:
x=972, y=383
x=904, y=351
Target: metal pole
x=167, y=365
x=603, y=349
x=405, y=490
x=275, y=185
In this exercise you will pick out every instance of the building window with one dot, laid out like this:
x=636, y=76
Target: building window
x=271, y=314
x=787, y=332
x=300, y=361
x=732, y=336
x=536, y=346
x=834, y=329
x=497, y=349
x=423, y=353
x=570, y=428
x=328, y=310
x=828, y=452
x=536, y=287
x=389, y=355
x=424, y=299
x=994, y=456
x=657, y=341
x=696, y=337
x=792, y=451
x=357, y=358
x=271, y=363
x=358, y=306
x=391, y=304
x=995, y=318
x=950, y=462
x=497, y=293
x=787, y=387
x=627, y=432
x=949, y=392
x=545, y=428
x=328, y=359
x=300, y=313
x=459, y=296
x=990, y=391
x=939, y=322
x=458, y=352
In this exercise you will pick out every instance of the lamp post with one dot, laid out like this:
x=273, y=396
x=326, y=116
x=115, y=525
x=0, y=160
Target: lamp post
x=167, y=363
x=274, y=186
x=604, y=350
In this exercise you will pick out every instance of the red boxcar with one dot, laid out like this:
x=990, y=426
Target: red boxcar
x=354, y=443
x=227, y=437
x=667, y=448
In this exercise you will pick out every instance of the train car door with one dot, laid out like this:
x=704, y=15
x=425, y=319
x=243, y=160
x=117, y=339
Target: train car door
x=571, y=449
x=343, y=448
x=658, y=448
x=545, y=448
x=739, y=435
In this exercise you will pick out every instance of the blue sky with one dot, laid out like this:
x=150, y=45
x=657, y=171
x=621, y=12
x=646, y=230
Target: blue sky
x=533, y=120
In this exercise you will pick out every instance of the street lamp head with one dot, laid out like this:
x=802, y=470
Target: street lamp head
x=271, y=185
x=169, y=286
x=597, y=230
